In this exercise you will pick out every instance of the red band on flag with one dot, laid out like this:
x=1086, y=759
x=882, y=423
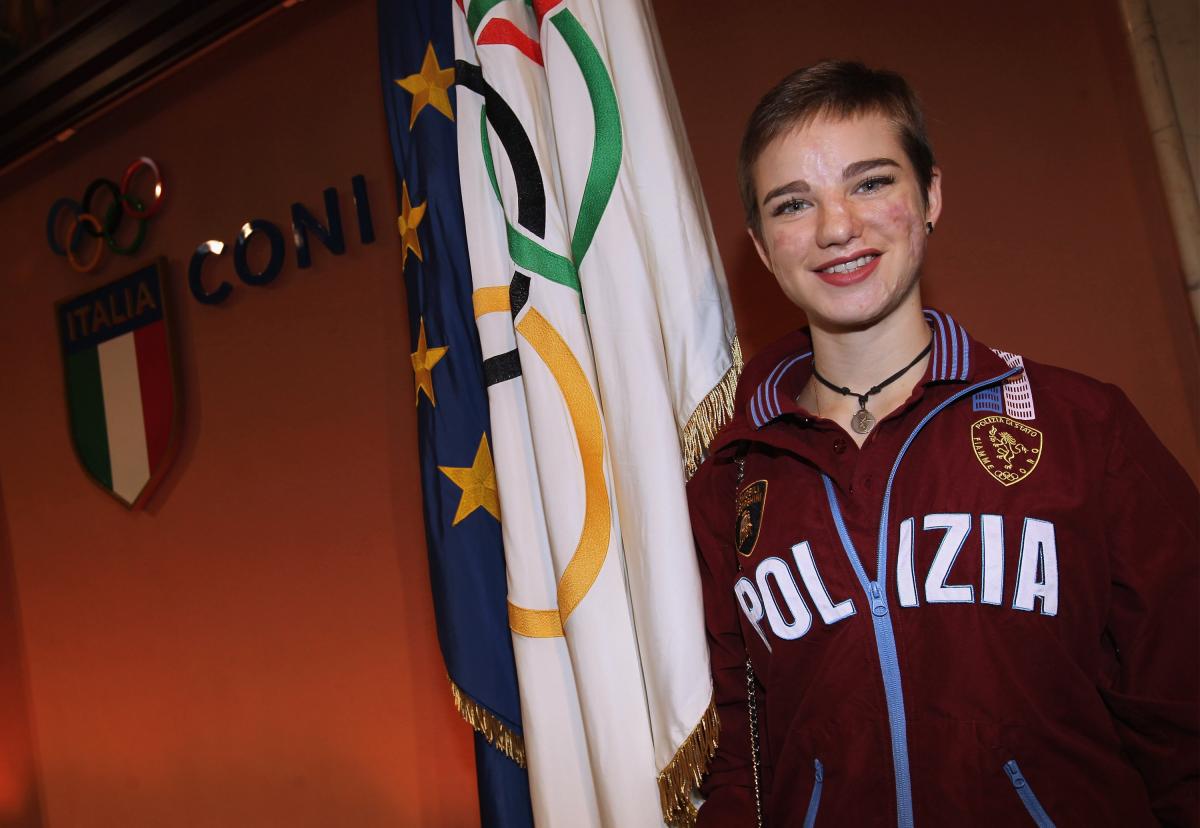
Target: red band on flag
x=505, y=32
x=541, y=8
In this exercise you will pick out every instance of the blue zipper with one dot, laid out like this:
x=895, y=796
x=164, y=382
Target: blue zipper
x=885, y=645
x=1035, y=809
x=876, y=591
x=814, y=802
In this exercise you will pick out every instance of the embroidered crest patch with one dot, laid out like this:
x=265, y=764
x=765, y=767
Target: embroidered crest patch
x=751, y=501
x=1008, y=450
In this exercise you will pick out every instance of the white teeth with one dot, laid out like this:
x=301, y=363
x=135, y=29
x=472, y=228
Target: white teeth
x=849, y=267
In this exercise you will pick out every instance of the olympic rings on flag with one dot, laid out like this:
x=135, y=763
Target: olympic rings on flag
x=84, y=221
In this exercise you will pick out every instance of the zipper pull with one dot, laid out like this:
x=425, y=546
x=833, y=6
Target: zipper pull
x=878, y=607
x=1014, y=773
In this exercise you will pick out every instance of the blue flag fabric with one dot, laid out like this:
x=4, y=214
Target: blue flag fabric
x=461, y=507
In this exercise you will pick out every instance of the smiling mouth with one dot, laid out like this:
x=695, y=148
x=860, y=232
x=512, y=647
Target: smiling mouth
x=851, y=266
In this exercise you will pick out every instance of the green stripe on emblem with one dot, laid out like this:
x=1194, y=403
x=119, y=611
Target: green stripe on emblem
x=85, y=402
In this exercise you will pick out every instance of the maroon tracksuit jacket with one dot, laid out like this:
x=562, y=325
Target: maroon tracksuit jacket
x=987, y=615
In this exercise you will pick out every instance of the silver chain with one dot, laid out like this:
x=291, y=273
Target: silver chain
x=751, y=690
x=755, y=758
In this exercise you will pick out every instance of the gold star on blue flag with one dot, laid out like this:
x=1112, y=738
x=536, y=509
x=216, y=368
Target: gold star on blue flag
x=478, y=484
x=429, y=87
x=407, y=223
x=458, y=479
x=423, y=361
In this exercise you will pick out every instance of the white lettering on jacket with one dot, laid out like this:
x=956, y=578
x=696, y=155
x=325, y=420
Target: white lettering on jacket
x=773, y=595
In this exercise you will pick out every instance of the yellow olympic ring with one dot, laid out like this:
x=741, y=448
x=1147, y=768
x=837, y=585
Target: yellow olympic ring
x=594, y=536
x=87, y=218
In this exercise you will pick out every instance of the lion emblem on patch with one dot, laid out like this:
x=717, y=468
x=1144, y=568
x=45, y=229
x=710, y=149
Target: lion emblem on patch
x=1008, y=450
x=751, y=501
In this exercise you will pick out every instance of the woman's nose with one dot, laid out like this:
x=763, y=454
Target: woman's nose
x=836, y=224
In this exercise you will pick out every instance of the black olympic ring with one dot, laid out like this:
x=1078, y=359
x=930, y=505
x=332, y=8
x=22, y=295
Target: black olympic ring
x=85, y=223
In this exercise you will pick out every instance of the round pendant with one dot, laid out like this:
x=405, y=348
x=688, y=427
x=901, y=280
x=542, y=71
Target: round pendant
x=862, y=421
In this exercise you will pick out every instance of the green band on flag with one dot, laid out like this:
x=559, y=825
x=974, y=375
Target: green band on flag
x=477, y=11
x=531, y=256
x=528, y=254
x=486, y=143
x=606, y=145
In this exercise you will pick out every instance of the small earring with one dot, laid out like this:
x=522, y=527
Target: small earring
x=929, y=228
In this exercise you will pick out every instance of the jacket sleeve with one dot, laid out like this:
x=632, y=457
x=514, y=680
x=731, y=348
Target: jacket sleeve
x=1152, y=512
x=729, y=786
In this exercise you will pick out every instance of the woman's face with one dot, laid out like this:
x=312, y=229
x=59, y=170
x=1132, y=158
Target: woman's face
x=843, y=221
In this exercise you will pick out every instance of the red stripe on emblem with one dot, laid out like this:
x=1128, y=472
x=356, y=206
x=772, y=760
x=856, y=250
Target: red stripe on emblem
x=501, y=31
x=158, y=394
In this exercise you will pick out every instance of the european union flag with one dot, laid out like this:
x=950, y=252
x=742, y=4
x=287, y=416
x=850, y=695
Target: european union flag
x=462, y=508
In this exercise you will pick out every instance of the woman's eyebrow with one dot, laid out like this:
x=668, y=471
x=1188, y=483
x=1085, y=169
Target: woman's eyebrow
x=860, y=167
x=797, y=186
x=857, y=168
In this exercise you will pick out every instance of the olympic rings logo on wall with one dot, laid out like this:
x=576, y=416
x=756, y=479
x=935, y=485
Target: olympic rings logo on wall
x=84, y=222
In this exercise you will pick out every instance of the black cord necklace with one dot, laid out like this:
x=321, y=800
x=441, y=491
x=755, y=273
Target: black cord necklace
x=863, y=420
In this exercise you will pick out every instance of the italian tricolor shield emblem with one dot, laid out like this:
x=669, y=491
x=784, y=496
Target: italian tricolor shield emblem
x=121, y=393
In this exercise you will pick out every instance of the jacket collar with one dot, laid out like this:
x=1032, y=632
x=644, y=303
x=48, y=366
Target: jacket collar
x=772, y=379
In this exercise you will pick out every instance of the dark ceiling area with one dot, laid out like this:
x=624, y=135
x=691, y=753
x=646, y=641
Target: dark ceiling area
x=64, y=62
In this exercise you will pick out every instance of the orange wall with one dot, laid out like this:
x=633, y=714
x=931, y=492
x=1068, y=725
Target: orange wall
x=1054, y=241
x=257, y=647
x=20, y=805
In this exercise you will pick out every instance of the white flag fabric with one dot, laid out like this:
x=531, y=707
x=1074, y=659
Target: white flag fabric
x=611, y=361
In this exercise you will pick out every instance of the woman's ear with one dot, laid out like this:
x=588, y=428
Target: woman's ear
x=934, y=198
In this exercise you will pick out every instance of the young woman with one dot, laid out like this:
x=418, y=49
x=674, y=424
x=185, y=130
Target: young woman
x=943, y=585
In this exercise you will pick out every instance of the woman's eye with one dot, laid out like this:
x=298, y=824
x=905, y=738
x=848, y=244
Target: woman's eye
x=873, y=185
x=792, y=205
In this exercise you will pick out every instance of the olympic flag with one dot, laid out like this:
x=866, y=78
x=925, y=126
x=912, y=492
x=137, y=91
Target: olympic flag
x=611, y=360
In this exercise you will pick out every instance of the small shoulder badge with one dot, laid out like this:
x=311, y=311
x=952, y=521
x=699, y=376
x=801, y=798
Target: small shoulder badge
x=751, y=501
x=1008, y=450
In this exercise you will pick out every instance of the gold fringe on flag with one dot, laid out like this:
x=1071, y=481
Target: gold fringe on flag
x=685, y=770
x=499, y=735
x=711, y=414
